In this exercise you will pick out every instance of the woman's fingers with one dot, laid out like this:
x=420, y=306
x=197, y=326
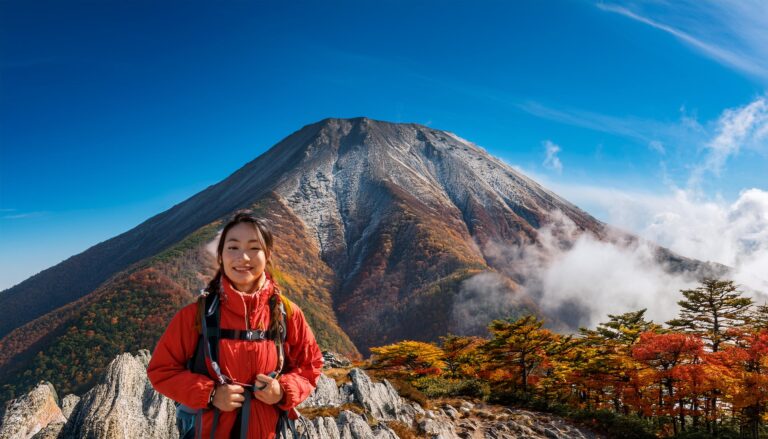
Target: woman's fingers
x=260, y=396
x=234, y=388
x=264, y=378
x=228, y=397
x=271, y=393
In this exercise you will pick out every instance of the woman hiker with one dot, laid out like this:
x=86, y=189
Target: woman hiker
x=240, y=359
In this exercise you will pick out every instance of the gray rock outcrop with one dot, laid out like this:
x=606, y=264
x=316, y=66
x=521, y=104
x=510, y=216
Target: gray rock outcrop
x=31, y=413
x=354, y=426
x=333, y=360
x=321, y=427
x=53, y=430
x=68, y=404
x=484, y=422
x=382, y=405
x=381, y=400
x=326, y=394
x=123, y=405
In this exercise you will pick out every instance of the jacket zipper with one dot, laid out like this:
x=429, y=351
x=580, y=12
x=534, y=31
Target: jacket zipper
x=248, y=315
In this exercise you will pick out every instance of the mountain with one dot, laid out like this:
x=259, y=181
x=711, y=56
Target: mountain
x=377, y=226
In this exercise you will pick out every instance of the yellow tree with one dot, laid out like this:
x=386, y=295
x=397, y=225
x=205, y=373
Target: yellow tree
x=462, y=356
x=409, y=356
x=522, y=346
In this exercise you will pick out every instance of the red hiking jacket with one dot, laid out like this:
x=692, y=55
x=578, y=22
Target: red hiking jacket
x=239, y=359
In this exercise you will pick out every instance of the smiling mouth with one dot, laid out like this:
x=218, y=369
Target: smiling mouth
x=242, y=269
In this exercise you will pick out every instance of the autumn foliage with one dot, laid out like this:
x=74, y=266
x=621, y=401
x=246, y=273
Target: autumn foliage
x=705, y=374
x=414, y=357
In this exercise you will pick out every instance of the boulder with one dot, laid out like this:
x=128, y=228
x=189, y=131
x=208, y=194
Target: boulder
x=451, y=412
x=53, y=430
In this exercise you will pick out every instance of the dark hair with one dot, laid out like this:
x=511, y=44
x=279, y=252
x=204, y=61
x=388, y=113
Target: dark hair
x=265, y=236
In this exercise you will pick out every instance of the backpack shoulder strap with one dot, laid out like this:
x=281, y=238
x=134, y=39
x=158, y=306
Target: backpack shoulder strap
x=287, y=307
x=283, y=305
x=209, y=315
x=211, y=329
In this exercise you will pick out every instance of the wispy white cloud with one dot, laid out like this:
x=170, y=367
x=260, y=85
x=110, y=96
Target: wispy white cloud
x=653, y=133
x=24, y=215
x=699, y=148
x=552, y=161
x=735, y=128
x=657, y=146
x=732, y=32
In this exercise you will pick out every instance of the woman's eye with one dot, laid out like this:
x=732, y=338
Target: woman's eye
x=255, y=248
x=231, y=248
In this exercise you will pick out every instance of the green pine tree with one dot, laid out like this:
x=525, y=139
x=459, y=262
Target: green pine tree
x=710, y=310
x=623, y=328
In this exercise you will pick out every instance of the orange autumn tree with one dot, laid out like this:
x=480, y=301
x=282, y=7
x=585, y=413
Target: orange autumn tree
x=411, y=357
x=671, y=359
x=712, y=311
x=744, y=375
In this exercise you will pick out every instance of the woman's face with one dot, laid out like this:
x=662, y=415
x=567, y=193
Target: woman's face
x=243, y=256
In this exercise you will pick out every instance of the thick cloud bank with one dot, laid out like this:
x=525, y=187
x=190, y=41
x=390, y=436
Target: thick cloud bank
x=734, y=234
x=579, y=279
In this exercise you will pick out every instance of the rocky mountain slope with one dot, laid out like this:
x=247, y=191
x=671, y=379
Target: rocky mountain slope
x=368, y=198
x=124, y=405
x=377, y=226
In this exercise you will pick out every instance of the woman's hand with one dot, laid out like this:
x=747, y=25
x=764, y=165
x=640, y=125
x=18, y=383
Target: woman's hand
x=228, y=397
x=271, y=393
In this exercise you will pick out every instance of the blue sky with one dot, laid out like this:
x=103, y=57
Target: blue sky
x=111, y=112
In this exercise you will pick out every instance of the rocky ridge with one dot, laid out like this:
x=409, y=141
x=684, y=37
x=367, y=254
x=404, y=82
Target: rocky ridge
x=124, y=405
x=385, y=409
